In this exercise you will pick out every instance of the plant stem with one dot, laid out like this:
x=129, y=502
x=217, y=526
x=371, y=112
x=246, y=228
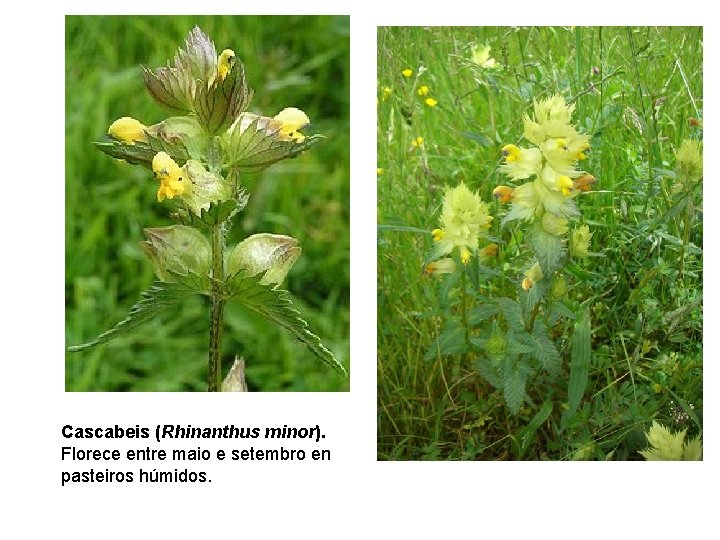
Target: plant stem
x=464, y=305
x=531, y=322
x=216, y=313
x=686, y=234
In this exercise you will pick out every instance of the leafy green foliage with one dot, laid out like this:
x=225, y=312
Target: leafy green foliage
x=276, y=305
x=514, y=381
x=548, y=248
x=450, y=341
x=646, y=350
x=154, y=301
x=579, y=364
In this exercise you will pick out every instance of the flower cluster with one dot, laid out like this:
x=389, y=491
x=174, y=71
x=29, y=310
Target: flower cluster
x=464, y=221
x=551, y=165
x=190, y=154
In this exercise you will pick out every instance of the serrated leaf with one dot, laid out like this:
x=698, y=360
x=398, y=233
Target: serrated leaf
x=523, y=344
x=548, y=248
x=276, y=305
x=218, y=212
x=514, y=379
x=154, y=301
x=527, y=434
x=481, y=313
x=545, y=350
x=579, y=365
x=512, y=312
x=450, y=341
x=489, y=372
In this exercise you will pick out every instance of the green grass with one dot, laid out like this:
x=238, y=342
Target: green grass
x=290, y=61
x=635, y=91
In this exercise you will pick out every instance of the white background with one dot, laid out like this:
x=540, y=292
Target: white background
x=353, y=495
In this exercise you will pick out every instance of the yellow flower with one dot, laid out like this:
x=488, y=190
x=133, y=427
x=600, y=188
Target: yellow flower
x=386, y=92
x=481, y=57
x=532, y=276
x=172, y=180
x=443, y=266
x=423, y=90
x=407, y=72
x=464, y=218
x=293, y=120
x=688, y=160
x=520, y=163
x=417, y=141
x=127, y=130
x=555, y=181
x=533, y=199
x=553, y=109
x=226, y=61
x=580, y=241
x=430, y=102
x=380, y=170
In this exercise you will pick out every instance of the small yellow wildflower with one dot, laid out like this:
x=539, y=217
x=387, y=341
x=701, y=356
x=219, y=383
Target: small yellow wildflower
x=386, y=92
x=438, y=234
x=226, y=61
x=520, y=163
x=430, y=102
x=465, y=256
x=172, y=180
x=481, y=57
x=293, y=120
x=423, y=90
x=407, y=72
x=380, y=170
x=417, y=141
x=127, y=130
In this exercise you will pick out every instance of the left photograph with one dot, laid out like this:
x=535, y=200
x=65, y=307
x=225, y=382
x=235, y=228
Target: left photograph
x=207, y=203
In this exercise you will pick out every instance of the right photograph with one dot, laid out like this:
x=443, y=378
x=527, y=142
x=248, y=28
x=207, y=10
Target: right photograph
x=540, y=243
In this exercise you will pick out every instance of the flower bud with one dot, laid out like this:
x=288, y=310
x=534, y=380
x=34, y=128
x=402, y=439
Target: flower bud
x=177, y=249
x=689, y=160
x=443, y=266
x=580, y=241
x=554, y=225
x=127, y=130
x=558, y=288
x=503, y=193
x=532, y=276
x=273, y=254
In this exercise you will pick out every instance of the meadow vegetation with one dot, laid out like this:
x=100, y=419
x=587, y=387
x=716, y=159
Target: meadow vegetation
x=447, y=106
